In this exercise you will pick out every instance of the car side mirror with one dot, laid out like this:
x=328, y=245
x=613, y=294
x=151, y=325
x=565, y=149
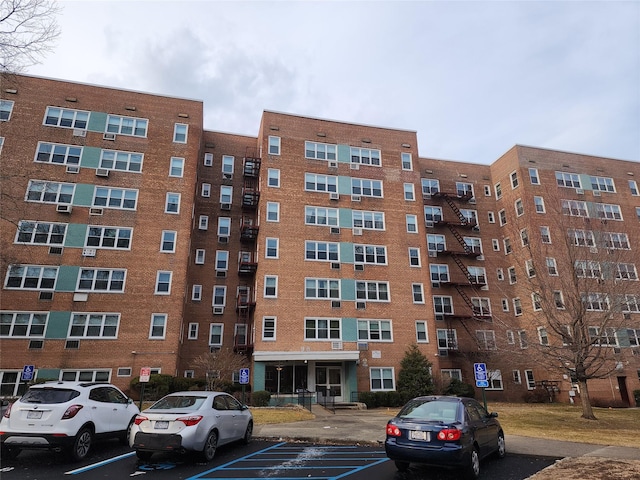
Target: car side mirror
x=493, y=415
x=129, y=401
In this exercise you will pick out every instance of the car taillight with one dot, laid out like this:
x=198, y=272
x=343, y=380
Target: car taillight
x=190, y=420
x=71, y=412
x=7, y=412
x=139, y=419
x=393, y=431
x=449, y=434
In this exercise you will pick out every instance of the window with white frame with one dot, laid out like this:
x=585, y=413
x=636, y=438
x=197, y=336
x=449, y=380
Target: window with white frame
x=558, y=299
x=222, y=260
x=517, y=307
x=226, y=194
x=273, y=211
x=270, y=286
x=370, y=254
x=464, y=190
x=203, y=222
x=6, y=107
x=552, y=266
x=200, y=254
x=513, y=278
x=372, y=291
x=121, y=161
x=495, y=380
x=417, y=290
x=442, y=305
x=633, y=188
x=382, y=379
x=524, y=237
x=414, y=257
x=406, y=161
x=368, y=220
x=487, y=190
x=528, y=267
x=94, y=325
x=366, y=188
x=587, y=269
x=208, y=159
x=543, y=336
x=58, y=117
x=117, y=238
x=196, y=293
x=320, y=183
x=571, y=180
x=505, y=304
x=365, y=156
x=473, y=244
x=608, y=211
x=180, y=131
x=422, y=334
x=224, y=226
x=412, y=223
x=616, y=241
x=536, y=301
x=545, y=234
x=514, y=180
x=630, y=303
x=269, y=329
x=495, y=243
x=519, y=206
x=271, y=247
x=516, y=377
x=430, y=186
x=534, y=178
x=409, y=192
x=375, y=330
x=522, y=339
x=604, y=337
x=575, y=208
x=507, y=246
x=101, y=280
x=432, y=214
x=486, y=339
x=49, y=192
x=320, y=151
x=451, y=373
x=582, y=238
x=158, y=326
x=470, y=216
x=227, y=166
x=439, y=272
x=322, y=329
x=321, y=216
x=215, y=334
x=502, y=215
x=118, y=198
x=321, y=289
x=322, y=251
x=23, y=324
x=273, y=178
x=447, y=339
x=626, y=271
x=274, y=145
x=491, y=217
x=206, y=190
x=219, y=298
x=436, y=243
x=101, y=376
x=41, y=233
x=498, y=189
x=172, y=203
x=481, y=306
x=477, y=275
x=58, y=154
x=163, y=283
x=136, y=127
x=634, y=337
x=603, y=184
x=500, y=274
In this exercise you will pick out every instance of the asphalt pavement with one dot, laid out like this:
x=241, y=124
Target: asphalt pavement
x=368, y=428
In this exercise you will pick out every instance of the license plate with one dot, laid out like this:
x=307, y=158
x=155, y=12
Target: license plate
x=161, y=425
x=34, y=414
x=418, y=435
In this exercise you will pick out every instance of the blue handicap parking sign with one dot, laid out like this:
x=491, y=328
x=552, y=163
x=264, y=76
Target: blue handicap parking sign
x=244, y=376
x=27, y=373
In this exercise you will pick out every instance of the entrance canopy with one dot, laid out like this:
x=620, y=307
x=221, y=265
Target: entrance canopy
x=327, y=356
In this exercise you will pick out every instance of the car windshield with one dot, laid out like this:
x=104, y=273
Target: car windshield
x=430, y=410
x=178, y=401
x=49, y=395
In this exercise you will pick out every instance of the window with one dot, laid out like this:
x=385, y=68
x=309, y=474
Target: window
x=447, y=340
x=603, y=184
x=605, y=337
x=365, y=156
x=222, y=260
x=108, y=237
x=180, y=133
x=163, y=282
x=219, y=298
x=630, y=303
x=414, y=257
x=505, y=304
x=200, y=254
x=511, y=339
x=517, y=307
x=409, y=192
x=6, y=107
x=321, y=216
x=227, y=166
x=321, y=289
x=375, y=330
x=491, y=217
x=587, y=269
x=477, y=275
x=616, y=241
x=192, y=332
x=208, y=159
x=516, y=377
x=481, y=306
x=495, y=380
x=500, y=274
x=519, y=207
x=418, y=292
x=41, y=233
x=533, y=176
x=432, y=214
x=473, y=244
x=524, y=237
x=582, y=238
x=638, y=213
x=270, y=286
x=608, y=212
x=224, y=226
x=495, y=243
x=94, y=325
x=206, y=190
x=503, y=217
x=634, y=337
x=536, y=301
x=58, y=154
x=158, y=326
x=101, y=280
x=464, y=190
x=368, y=220
x=439, y=273
x=451, y=373
x=552, y=266
x=412, y=223
x=366, y=188
x=136, y=127
x=322, y=329
x=196, y=293
x=545, y=234
x=226, y=194
x=273, y=177
x=574, y=208
x=422, y=336
x=436, y=243
x=23, y=324
x=215, y=334
x=322, y=251
x=543, y=336
x=514, y=180
x=269, y=328
x=486, y=339
x=382, y=379
x=522, y=339
x=507, y=246
x=62, y=117
x=470, y=216
x=177, y=167
x=498, y=189
x=512, y=275
x=372, y=291
x=121, y=161
x=49, y=192
x=203, y=222
x=571, y=180
x=274, y=146
x=320, y=151
x=273, y=212
x=626, y=271
x=371, y=254
x=86, y=375
x=320, y=183
x=430, y=186
x=633, y=187
x=405, y=159
x=442, y=305
x=172, y=203
x=118, y=198
x=271, y=248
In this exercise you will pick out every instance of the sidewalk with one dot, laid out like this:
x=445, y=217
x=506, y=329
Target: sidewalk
x=368, y=428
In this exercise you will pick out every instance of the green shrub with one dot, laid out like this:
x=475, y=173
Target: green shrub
x=260, y=398
x=537, y=395
x=460, y=389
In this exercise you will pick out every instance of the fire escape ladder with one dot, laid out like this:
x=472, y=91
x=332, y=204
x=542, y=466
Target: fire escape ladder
x=459, y=238
x=454, y=207
x=466, y=298
x=464, y=269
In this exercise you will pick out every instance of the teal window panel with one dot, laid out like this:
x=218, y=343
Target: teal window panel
x=76, y=234
x=58, y=325
x=97, y=122
x=90, y=157
x=585, y=181
x=348, y=289
x=345, y=220
x=84, y=195
x=351, y=378
x=344, y=185
x=48, y=373
x=346, y=252
x=350, y=329
x=344, y=153
x=623, y=338
x=258, y=376
x=67, y=278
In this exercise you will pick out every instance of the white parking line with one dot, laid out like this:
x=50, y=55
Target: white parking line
x=99, y=464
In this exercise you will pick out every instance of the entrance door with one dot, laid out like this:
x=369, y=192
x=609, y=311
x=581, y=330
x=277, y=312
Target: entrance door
x=329, y=379
x=624, y=393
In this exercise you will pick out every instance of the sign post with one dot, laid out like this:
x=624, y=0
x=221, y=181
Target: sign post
x=480, y=372
x=145, y=375
x=244, y=380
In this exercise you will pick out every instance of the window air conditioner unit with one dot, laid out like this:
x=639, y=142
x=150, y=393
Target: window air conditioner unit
x=429, y=223
x=355, y=166
x=102, y=172
x=334, y=196
x=433, y=253
x=361, y=305
x=333, y=164
x=596, y=193
x=214, y=349
x=363, y=346
x=426, y=196
x=79, y=132
x=335, y=266
x=227, y=176
x=358, y=267
x=439, y=316
x=96, y=211
x=336, y=345
x=109, y=136
x=64, y=208
x=357, y=231
x=45, y=296
x=355, y=198
x=335, y=230
x=55, y=250
x=336, y=304
x=88, y=252
x=222, y=239
x=36, y=344
x=225, y=206
x=221, y=273
x=218, y=310
x=593, y=250
x=73, y=169
x=480, y=257
x=579, y=191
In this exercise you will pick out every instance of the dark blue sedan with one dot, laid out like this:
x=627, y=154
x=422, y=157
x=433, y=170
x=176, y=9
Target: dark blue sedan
x=450, y=432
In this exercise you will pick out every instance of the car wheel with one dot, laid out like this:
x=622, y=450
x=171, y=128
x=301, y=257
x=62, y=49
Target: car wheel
x=473, y=469
x=144, y=455
x=81, y=444
x=210, y=445
x=9, y=453
x=502, y=447
x=248, y=433
x=402, y=466
x=124, y=438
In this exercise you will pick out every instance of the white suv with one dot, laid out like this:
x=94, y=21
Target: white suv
x=66, y=416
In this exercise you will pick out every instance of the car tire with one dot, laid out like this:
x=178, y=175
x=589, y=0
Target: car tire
x=144, y=455
x=472, y=471
x=81, y=444
x=502, y=448
x=210, y=445
x=402, y=466
x=9, y=453
x=248, y=433
x=124, y=438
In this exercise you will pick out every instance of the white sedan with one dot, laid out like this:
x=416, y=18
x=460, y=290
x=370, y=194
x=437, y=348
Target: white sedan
x=191, y=421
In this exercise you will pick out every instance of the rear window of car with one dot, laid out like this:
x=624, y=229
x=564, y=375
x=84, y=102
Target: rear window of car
x=49, y=395
x=430, y=410
x=178, y=402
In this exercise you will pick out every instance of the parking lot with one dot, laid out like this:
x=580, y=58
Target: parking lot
x=258, y=460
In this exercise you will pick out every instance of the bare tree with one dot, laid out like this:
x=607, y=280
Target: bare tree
x=28, y=30
x=220, y=367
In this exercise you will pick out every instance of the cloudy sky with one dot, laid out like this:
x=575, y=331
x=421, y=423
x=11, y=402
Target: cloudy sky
x=472, y=78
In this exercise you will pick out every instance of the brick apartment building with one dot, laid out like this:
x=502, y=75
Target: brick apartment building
x=133, y=238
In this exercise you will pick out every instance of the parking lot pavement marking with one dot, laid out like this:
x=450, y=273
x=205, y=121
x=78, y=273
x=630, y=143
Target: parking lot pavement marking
x=295, y=462
x=99, y=464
